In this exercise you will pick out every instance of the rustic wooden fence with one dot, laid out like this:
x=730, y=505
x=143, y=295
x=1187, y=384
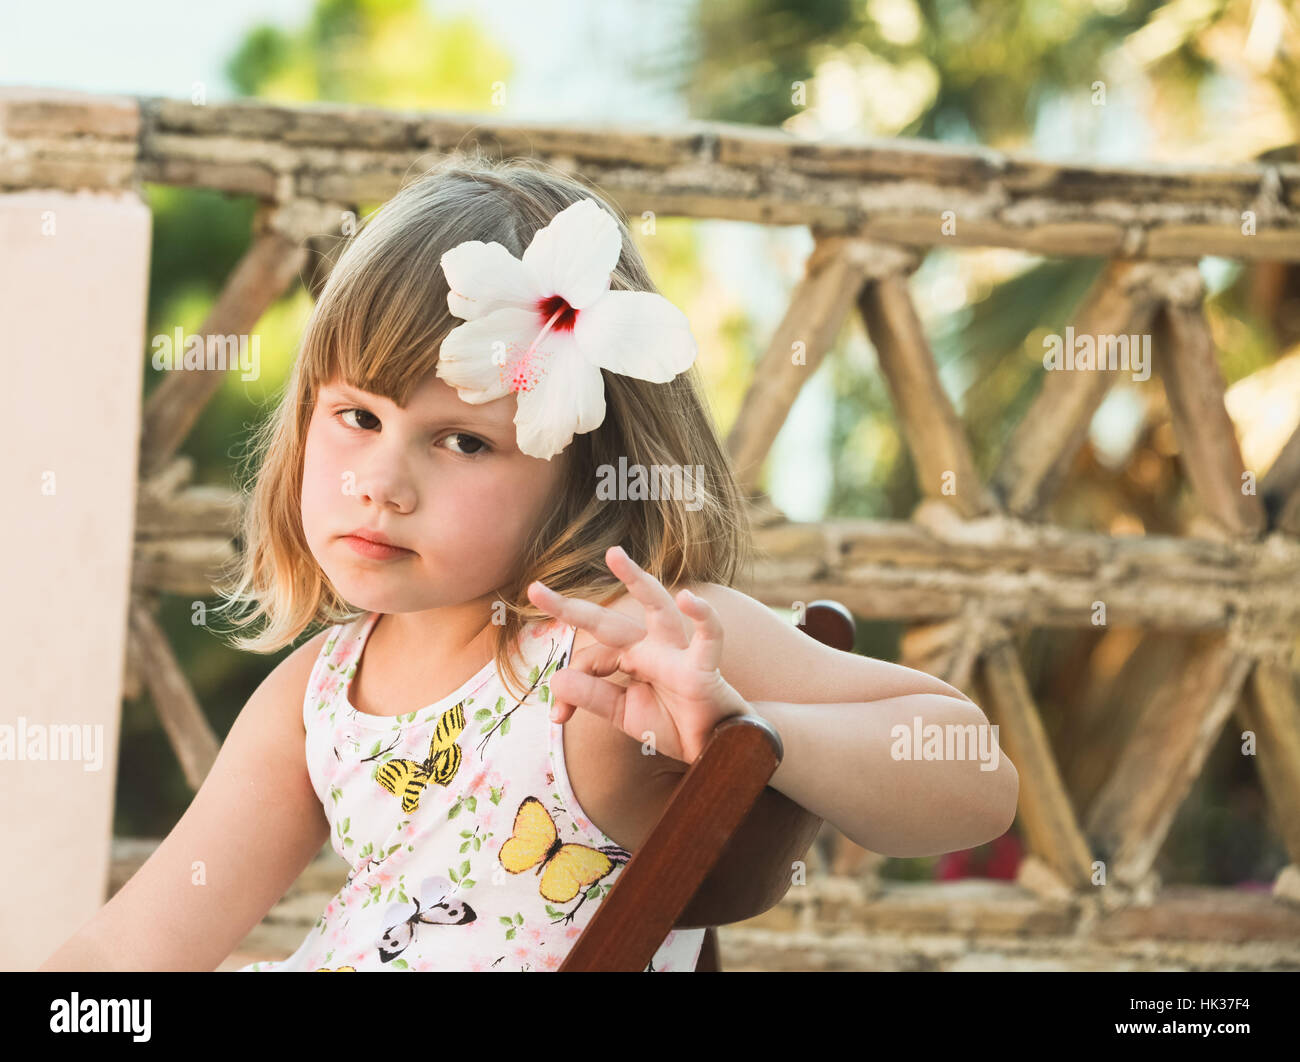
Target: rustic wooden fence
x=976, y=562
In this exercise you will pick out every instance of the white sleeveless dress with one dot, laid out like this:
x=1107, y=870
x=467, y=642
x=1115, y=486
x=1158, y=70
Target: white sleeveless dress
x=448, y=817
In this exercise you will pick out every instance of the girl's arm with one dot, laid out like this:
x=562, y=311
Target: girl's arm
x=849, y=724
x=846, y=724
x=251, y=829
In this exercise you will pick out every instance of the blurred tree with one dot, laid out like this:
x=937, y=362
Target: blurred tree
x=386, y=53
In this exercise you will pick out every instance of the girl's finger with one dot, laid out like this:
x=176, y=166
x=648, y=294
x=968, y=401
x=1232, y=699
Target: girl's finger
x=663, y=622
x=604, y=624
x=705, y=651
x=597, y=695
x=599, y=660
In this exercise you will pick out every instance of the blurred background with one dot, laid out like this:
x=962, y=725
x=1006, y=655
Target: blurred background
x=1204, y=81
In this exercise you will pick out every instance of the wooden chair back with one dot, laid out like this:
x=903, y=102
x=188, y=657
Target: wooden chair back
x=714, y=857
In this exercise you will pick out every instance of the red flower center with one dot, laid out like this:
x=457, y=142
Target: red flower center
x=553, y=304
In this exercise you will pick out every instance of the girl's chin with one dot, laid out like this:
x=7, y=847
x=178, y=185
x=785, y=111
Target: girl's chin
x=372, y=591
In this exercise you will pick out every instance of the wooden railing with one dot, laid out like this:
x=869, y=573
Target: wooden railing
x=976, y=561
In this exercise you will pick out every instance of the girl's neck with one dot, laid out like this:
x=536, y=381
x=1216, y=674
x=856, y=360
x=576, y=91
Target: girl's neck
x=446, y=634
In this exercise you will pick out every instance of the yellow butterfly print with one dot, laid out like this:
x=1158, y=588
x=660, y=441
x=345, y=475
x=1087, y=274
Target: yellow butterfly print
x=566, y=869
x=407, y=778
x=337, y=969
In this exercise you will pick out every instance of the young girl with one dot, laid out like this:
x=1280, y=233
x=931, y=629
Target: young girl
x=450, y=483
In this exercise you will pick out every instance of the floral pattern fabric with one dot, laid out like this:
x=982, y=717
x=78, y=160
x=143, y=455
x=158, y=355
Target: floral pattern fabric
x=467, y=847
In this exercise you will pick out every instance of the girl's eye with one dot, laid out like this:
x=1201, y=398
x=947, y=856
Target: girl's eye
x=477, y=445
x=344, y=412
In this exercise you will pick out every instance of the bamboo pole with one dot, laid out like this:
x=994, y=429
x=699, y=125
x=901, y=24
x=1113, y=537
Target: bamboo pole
x=1044, y=444
x=941, y=453
x=833, y=276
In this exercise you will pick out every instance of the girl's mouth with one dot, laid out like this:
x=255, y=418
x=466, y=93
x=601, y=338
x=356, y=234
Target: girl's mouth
x=376, y=550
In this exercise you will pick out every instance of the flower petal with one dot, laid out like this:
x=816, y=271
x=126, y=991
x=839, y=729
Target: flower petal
x=466, y=358
x=636, y=333
x=568, y=399
x=574, y=255
x=484, y=277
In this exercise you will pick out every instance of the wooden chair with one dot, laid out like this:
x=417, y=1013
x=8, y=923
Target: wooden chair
x=723, y=848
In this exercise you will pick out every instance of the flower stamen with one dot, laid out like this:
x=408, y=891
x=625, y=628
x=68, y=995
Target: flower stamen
x=540, y=335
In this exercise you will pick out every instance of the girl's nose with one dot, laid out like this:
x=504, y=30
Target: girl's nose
x=385, y=490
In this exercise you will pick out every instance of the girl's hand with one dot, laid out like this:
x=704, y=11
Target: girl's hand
x=677, y=694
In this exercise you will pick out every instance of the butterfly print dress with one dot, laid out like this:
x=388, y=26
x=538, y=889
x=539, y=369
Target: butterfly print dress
x=467, y=847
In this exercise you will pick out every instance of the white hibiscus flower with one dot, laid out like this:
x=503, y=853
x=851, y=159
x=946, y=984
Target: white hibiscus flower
x=543, y=327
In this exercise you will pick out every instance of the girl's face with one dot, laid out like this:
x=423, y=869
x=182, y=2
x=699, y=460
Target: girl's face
x=442, y=478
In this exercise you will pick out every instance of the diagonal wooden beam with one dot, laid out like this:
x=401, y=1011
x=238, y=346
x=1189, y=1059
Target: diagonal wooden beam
x=833, y=275
x=1043, y=445
x=1131, y=816
x=182, y=719
x=267, y=270
x=941, y=452
x=1270, y=710
x=1210, y=454
x=947, y=649
x=1046, y=816
x=1280, y=488
x=1288, y=517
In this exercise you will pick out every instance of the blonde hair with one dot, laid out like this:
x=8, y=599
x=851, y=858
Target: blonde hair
x=379, y=322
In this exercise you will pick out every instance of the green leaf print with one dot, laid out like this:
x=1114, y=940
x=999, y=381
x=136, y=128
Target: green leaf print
x=471, y=802
x=454, y=810
x=400, y=964
x=519, y=919
x=532, y=675
x=468, y=883
x=550, y=669
x=451, y=873
x=464, y=867
x=593, y=893
x=505, y=725
x=374, y=749
x=497, y=792
x=544, y=694
x=483, y=713
x=510, y=934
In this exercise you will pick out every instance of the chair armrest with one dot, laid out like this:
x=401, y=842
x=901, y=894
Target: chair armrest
x=708, y=806
x=756, y=868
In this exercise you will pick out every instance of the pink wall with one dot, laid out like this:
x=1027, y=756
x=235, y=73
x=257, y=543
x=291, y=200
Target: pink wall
x=73, y=287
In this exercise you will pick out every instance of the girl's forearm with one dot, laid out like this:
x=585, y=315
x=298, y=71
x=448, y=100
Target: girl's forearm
x=904, y=776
